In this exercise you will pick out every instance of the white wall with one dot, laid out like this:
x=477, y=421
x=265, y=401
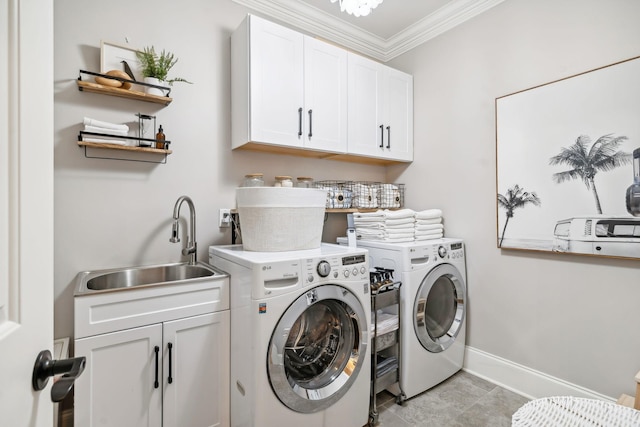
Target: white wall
x=115, y=213
x=569, y=317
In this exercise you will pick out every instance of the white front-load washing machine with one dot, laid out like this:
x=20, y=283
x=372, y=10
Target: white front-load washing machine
x=433, y=301
x=300, y=353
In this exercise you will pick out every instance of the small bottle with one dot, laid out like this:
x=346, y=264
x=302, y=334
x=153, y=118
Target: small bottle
x=283, y=181
x=160, y=139
x=253, y=180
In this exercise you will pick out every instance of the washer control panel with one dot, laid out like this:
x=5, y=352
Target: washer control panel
x=448, y=251
x=348, y=267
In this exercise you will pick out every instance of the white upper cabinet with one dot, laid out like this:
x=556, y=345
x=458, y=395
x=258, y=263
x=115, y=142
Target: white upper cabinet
x=325, y=96
x=288, y=89
x=380, y=111
x=293, y=94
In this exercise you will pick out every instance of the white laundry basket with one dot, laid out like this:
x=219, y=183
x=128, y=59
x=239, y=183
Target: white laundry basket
x=274, y=219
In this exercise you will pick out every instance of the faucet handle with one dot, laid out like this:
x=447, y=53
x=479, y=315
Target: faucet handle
x=175, y=232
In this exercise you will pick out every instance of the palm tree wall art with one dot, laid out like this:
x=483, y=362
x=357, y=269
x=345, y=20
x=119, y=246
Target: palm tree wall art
x=586, y=160
x=516, y=198
x=570, y=140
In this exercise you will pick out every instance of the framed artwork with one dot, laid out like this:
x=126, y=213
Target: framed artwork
x=112, y=55
x=568, y=172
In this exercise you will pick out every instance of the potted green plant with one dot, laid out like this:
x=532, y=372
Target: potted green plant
x=155, y=68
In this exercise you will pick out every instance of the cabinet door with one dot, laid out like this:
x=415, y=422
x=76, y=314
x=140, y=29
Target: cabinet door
x=325, y=96
x=118, y=386
x=364, y=115
x=276, y=84
x=398, y=115
x=196, y=371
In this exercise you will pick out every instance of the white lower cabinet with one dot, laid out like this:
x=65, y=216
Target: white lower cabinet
x=169, y=374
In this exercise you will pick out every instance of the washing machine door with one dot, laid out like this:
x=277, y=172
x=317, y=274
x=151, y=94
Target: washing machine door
x=317, y=348
x=439, y=308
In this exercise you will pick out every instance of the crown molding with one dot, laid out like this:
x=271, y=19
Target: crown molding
x=321, y=24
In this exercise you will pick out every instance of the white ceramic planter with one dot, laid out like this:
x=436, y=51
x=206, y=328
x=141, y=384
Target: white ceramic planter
x=153, y=90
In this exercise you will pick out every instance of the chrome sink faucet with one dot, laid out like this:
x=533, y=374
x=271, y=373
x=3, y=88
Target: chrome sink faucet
x=192, y=247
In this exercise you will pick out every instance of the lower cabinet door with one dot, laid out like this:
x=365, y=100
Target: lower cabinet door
x=121, y=385
x=196, y=371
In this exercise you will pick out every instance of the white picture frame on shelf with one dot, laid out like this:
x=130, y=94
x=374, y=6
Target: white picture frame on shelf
x=112, y=55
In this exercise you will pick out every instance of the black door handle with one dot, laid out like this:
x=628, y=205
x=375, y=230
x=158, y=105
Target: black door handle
x=299, y=122
x=169, y=378
x=310, y=123
x=156, y=384
x=381, y=136
x=389, y=137
x=46, y=367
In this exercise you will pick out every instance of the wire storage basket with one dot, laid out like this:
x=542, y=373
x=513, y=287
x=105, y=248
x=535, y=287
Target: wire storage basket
x=338, y=193
x=362, y=194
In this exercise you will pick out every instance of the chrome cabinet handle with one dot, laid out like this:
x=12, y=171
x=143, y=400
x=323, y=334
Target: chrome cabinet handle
x=310, y=123
x=299, y=122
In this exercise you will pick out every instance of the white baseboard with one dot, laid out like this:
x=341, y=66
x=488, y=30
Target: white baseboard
x=520, y=379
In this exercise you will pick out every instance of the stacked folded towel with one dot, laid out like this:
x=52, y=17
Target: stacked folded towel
x=428, y=225
x=389, y=196
x=104, y=128
x=385, y=225
x=364, y=196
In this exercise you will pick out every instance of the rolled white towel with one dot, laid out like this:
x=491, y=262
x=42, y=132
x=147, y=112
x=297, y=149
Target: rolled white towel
x=429, y=214
x=107, y=131
x=98, y=123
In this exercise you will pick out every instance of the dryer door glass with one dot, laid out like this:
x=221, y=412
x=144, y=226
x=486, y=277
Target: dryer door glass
x=317, y=349
x=439, y=308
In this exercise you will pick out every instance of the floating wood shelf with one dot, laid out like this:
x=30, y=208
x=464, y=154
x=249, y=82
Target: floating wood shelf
x=123, y=147
x=122, y=93
x=85, y=86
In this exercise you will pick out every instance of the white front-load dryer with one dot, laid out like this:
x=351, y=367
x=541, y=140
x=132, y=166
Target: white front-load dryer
x=300, y=325
x=433, y=304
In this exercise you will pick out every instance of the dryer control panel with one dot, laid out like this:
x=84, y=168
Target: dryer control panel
x=335, y=268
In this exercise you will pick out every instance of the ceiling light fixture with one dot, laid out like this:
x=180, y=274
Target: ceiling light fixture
x=357, y=7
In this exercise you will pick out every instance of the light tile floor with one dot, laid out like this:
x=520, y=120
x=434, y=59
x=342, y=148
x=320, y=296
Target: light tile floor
x=463, y=400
